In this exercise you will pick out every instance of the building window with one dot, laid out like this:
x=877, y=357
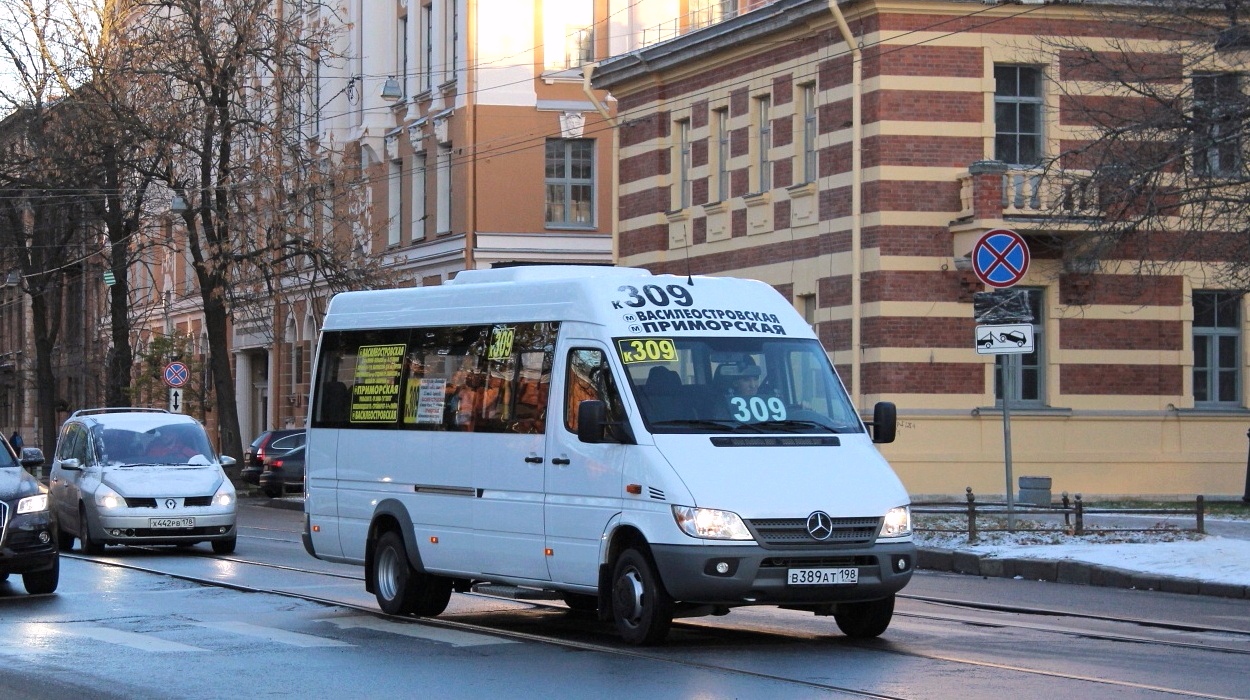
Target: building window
x=1217, y=124
x=683, y=164
x=722, y=154
x=442, y=223
x=765, y=143
x=1217, y=337
x=807, y=304
x=1025, y=380
x=570, y=175
x=1018, y=115
x=427, y=24
x=451, y=49
x=402, y=51
x=418, y=196
x=809, y=133
x=705, y=13
x=394, y=201
x=568, y=33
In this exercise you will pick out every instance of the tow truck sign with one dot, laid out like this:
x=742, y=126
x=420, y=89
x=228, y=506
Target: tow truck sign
x=1005, y=339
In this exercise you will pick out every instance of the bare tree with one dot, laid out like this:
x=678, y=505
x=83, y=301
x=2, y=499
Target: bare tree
x=221, y=85
x=1161, y=152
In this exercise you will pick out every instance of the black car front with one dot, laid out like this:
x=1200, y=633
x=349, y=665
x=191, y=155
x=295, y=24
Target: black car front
x=27, y=525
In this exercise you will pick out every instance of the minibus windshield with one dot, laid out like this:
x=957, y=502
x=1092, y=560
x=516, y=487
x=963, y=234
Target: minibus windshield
x=736, y=385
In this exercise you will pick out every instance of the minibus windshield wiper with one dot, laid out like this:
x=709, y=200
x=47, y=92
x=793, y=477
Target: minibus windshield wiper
x=724, y=426
x=793, y=426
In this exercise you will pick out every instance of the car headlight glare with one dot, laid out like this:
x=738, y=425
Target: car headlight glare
x=33, y=504
x=897, y=522
x=108, y=499
x=225, y=494
x=706, y=523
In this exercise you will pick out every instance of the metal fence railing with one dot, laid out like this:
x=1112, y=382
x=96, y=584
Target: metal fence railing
x=1073, y=512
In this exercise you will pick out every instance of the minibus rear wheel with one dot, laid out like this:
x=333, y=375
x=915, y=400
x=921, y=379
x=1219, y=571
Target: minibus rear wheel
x=864, y=620
x=641, y=608
x=400, y=590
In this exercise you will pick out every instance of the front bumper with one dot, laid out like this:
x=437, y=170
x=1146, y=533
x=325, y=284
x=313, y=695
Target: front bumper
x=757, y=575
x=128, y=527
x=29, y=544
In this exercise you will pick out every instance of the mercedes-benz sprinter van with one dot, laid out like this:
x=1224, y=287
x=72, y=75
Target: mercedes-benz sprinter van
x=647, y=447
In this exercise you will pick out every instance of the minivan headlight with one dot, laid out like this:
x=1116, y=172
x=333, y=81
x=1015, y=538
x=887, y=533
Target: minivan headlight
x=710, y=524
x=108, y=499
x=225, y=494
x=897, y=522
x=33, y=504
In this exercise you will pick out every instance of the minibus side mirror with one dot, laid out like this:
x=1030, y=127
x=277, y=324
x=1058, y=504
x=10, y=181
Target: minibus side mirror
x=593, y=425
x=884, y=422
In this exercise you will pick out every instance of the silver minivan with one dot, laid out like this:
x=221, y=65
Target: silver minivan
x=138, y=477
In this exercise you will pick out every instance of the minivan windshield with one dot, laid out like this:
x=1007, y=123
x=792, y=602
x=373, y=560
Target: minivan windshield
x=738, y=385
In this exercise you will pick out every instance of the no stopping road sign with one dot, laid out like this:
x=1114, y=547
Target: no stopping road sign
x=1000, y=258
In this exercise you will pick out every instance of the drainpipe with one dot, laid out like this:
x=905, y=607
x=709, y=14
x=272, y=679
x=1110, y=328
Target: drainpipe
x=857, y=205
x=588, y=70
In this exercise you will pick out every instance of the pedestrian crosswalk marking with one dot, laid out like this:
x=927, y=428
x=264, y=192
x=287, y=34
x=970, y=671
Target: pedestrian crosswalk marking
x=134, y=640
x=273, y=634
x=455, y=638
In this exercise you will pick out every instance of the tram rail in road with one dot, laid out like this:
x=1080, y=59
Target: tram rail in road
x=720, y=633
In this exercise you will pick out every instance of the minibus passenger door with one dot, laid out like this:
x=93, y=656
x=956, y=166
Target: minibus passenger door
x=583, y=479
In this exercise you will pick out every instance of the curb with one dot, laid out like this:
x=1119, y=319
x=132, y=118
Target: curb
x=1067, y=571
x=284, y=503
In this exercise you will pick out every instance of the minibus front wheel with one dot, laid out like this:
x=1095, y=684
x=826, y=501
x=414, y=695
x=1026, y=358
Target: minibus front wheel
x=641, y=608
x=400, y=589
x=864, y=620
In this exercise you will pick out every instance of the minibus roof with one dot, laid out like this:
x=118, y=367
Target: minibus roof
x=629, y=301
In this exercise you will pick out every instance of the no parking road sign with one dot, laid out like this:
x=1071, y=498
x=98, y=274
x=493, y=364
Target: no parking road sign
x=176, y=375
x=1000, y=258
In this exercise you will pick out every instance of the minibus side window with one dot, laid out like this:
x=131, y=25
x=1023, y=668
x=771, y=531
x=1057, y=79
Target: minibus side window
x=589, y=378
x=480, y=378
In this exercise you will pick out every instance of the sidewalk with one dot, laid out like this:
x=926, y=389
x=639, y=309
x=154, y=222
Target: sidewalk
x=1217, y=564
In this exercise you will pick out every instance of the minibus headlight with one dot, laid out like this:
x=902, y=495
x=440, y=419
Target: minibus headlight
x=709, y=524
x=897, y=522
x=33, y=504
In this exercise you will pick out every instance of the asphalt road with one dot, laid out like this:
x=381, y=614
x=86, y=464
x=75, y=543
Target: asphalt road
x=130, y=624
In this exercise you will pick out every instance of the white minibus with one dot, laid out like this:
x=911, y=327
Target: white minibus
x=644, y=446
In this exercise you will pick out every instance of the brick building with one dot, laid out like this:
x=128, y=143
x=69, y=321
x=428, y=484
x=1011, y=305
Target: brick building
x=852, y=157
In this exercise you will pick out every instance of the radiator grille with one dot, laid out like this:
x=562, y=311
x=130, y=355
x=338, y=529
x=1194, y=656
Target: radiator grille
x=793, y=531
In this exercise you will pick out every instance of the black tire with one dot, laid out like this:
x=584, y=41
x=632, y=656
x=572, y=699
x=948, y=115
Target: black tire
x=41, y=582
x=641, y=608
x=64, y=540
x=4, y=576
x=865, y=620
x=85, y=543
x=580, y=602
x=225, y=546
x=272, y=492
x=400, y=589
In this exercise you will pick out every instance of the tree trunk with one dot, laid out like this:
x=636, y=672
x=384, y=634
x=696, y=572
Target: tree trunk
x=120, y=356
x=45, y=379
x=217, y=328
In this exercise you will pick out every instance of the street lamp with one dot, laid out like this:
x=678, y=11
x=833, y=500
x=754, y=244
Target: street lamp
x=391, y=89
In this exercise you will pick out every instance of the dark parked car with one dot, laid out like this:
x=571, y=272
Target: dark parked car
x=283, y=473
x=270, y=443
x=27, y=525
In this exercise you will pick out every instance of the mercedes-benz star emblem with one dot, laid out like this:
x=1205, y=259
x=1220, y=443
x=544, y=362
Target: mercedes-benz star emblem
x=171, y=504
x=819, y=525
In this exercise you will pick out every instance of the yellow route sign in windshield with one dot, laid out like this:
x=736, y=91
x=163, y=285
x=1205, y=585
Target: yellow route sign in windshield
x=646, y=350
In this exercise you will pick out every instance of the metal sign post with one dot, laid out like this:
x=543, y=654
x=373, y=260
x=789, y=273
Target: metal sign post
x=1000, y=259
